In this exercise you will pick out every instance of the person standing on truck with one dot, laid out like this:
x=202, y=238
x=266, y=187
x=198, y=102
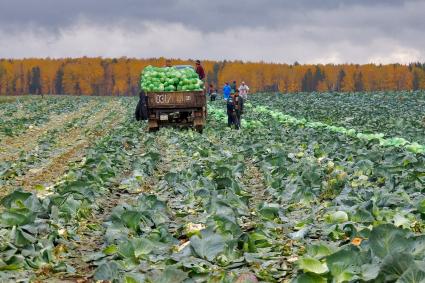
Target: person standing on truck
x=200, y=70
x=227, y=90
x=243, y=91
x=238, y=104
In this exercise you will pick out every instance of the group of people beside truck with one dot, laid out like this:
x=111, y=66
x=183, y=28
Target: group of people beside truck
x=234, y=105
x=234, y=98
x=233, y=95
x=229, y=89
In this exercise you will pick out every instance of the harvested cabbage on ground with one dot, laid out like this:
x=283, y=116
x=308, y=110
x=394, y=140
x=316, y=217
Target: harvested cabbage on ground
x=286, y=198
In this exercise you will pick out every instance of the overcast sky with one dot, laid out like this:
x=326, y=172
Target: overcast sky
x=307, y=31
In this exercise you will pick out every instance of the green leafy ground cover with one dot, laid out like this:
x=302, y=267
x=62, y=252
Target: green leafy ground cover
x=396, y=114
x=18, y=116
x=50, y=144
x=280, y=200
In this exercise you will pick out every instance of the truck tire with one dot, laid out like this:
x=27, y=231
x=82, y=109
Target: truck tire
x=199, y=129
x=153, y=125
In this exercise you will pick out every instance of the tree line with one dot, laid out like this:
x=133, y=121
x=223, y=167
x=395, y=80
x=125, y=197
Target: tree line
x=121, y=76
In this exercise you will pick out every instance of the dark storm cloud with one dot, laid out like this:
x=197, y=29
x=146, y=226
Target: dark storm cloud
x=206, y=15
x=324, y=31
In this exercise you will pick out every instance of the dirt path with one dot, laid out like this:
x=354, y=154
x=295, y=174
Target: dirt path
x=72, y=146
x=92, y=240
x=173, y=158
x=91, y=234
x=254, y=181
x=22, y=112
x=255, y=184
x=11, y=147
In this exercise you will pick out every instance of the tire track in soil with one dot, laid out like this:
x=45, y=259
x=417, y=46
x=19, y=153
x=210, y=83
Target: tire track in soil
x=92, y=241
x=115, y=197
x=21, y=113
x=256, y=186
x=254, y=183
x=170, y=160
x=59, y=164
x=75, y=153
x=56, y=136
x=11, y=147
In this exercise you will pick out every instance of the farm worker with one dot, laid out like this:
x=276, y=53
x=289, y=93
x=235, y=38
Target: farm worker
x=231, y=115
x=243, y=91
x=200, y=70
x=214, y=95
x=210, y=89
x=211, y=92
x=168, y=63
x=234, y=87
x=238, y=103
x=142, y=108
x=227, y=90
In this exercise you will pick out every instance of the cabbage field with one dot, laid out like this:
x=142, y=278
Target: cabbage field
x=313, y=188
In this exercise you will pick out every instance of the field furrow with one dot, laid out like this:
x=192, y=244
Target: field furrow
x=34, y=113
x=86, y=248
x=95, y=197
x=72, y=148
x=50, y=159
x=12, y=147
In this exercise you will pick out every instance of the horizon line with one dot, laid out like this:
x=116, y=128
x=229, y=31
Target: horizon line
x=296, y=62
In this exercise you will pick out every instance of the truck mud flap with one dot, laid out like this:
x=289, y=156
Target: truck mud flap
x=198, y=121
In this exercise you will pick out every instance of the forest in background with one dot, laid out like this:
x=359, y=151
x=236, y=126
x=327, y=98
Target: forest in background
x=120, y=76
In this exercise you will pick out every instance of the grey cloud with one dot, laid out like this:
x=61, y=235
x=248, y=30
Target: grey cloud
x=272, y=30
x=206, y=15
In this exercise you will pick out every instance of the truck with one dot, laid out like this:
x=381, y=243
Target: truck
x=176, y=108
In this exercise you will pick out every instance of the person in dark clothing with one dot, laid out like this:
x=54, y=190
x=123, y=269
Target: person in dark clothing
x=234, y=87
x=211, y=92
x=231, y=115
x=238, y=103
x=214, y=95
x=168, y=63
x=210, y=89
x=142, y=107
x=200, y=70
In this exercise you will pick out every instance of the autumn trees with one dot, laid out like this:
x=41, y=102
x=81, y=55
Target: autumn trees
x=120, y=76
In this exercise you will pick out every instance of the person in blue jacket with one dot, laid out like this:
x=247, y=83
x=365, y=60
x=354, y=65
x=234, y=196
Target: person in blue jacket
x=227, y=90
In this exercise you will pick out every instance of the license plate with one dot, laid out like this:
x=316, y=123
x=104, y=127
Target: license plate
x=163, y=117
